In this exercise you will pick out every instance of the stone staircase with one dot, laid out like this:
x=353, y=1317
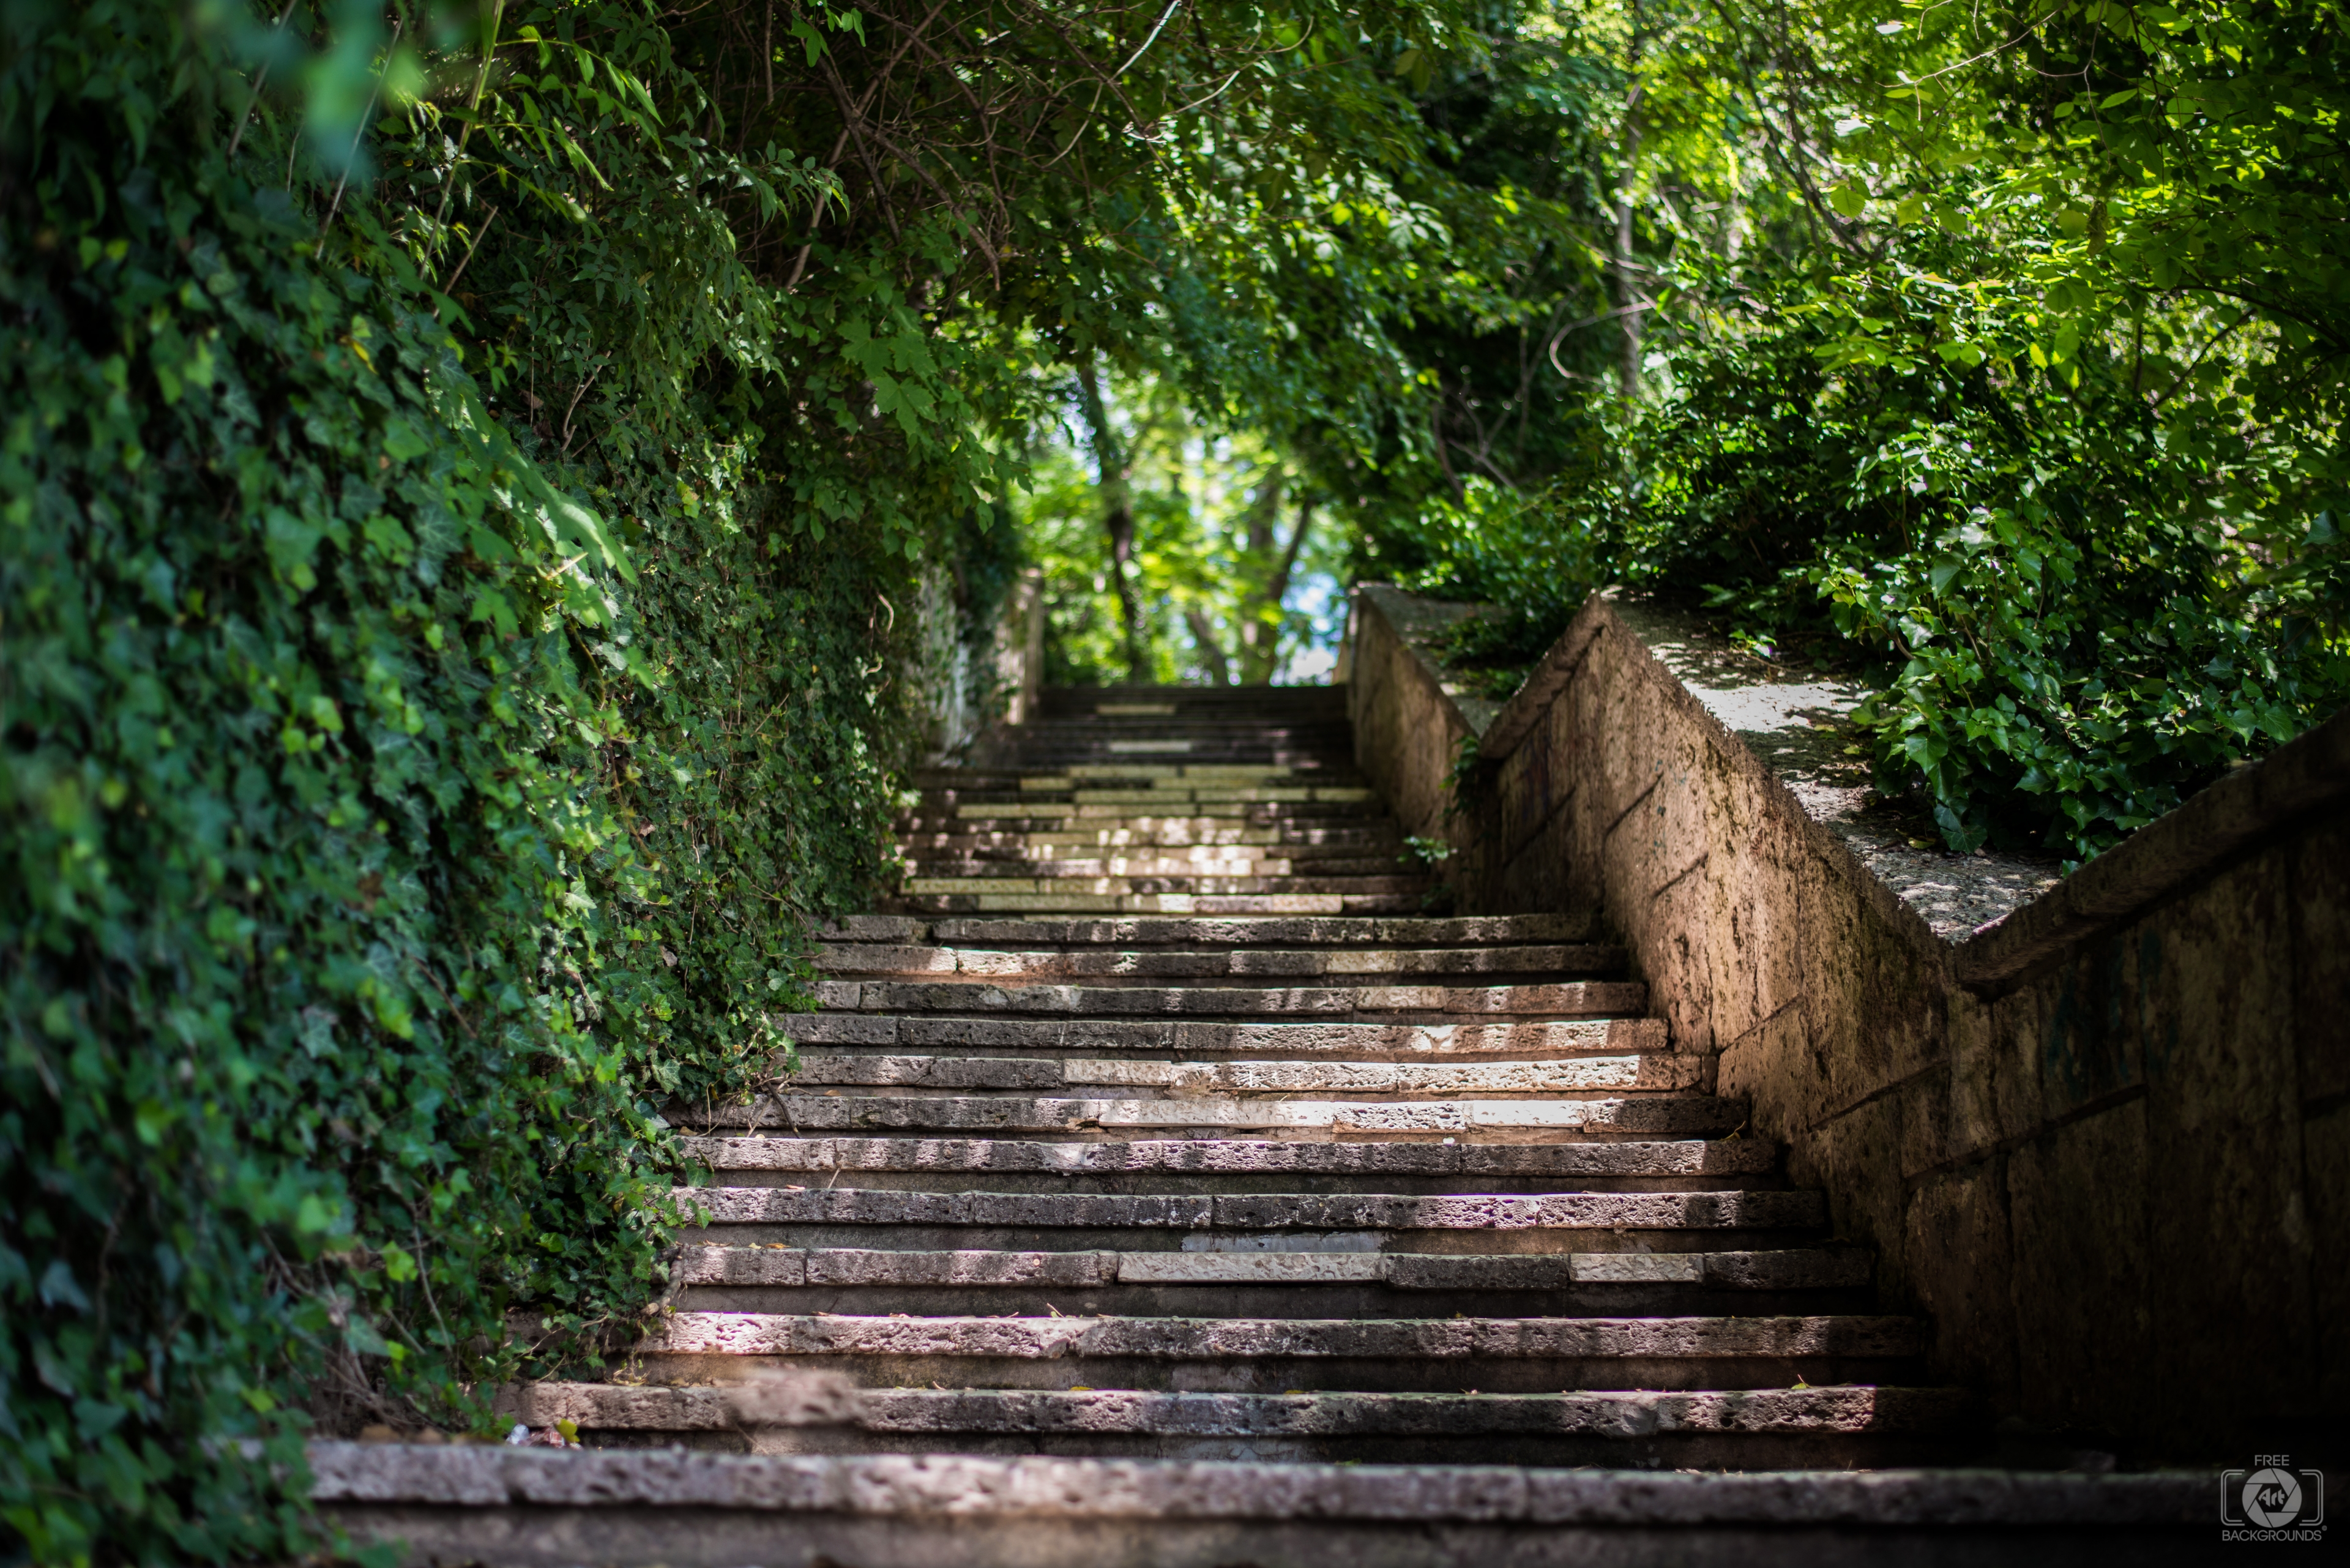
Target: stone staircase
x=1170, y=1179
x=1165, y=1115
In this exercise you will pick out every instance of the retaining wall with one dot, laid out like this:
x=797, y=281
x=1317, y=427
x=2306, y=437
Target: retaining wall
x=2098, y=1128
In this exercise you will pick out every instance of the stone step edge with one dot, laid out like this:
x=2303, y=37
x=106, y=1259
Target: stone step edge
x=1850, y=1409
x=889, y=962
x=1213, y=1157
x=1427, y=1341
x=1079, y=904
x=959, y=1486
x=1786, y=1268
x=1259, y=931
x=1580, y=998
x=1318, y=1036
x=1258, y=1212
x=1251, y=1076
x=1661, y=1112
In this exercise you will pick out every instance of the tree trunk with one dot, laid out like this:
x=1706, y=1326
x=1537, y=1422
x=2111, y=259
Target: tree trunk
x=1211, y=653
x=1117, y=516
x=1261, y=639
x=1627, y=289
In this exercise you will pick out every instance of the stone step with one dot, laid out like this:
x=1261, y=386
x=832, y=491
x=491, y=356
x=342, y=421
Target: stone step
x=1129, y=965
x=1252, y=1220
x=1256, y=1355
x=1012, y=880
x=1139, y=818
x=538, y=1508
x=1160, y=903
x=1672, y=1427
x=1569, y=999
x=1146, y=775
x=1352, y=1285
x=1198, y=871
x=1368, y=837
x=1222, y=852
x=1691, y=1157
x=918, y=834
x=1192, y=1037
x=1690, y=1114
x=1799, y=1269
x=1581, y=1074
x=1167, y=795
x=1601, y=1339
x=1249, y=1158
x=1341, y=931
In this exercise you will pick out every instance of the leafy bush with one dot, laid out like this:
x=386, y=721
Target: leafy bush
x=2016, y=381
x=2069, y=634
x=466, y=471
x=387, y=840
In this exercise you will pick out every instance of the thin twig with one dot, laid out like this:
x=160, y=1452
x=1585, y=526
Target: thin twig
x=469, y=249
x=260, y=81
x=365, y=119
x=472, y=111
x=574, y=401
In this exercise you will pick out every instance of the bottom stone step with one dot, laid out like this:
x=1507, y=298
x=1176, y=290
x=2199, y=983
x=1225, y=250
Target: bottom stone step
x=541, y=1509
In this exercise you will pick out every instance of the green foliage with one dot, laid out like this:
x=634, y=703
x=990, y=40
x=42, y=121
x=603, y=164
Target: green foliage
x=388, y=841
x=2030, y=405
x=467, y=475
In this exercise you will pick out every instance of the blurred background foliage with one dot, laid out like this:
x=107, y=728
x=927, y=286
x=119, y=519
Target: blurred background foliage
x=469, y=470
x=1997, y=353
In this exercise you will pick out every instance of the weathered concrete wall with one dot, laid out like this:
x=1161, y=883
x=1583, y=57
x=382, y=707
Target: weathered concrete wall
x=964, y=688
x=2103, y=1141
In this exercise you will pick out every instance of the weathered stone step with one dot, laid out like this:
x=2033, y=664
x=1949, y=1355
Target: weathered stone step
x=1254, y=1157
x=1324, y=828
x=1136, y=772
x=1033, y=1282
x=1136, y=816
x=1365, y=836
x=1159, y=903
x=1802, y=1268
x=1603, y=1418
x=1682, y=1114
x=1168, y=795
x=1268, y=1355
x=1108, y=966
x=1013, y=883
x=1015, y=849
x=1166, y=778
x=1366, y=1042
x=1341, y=931
x=1567, y=999
x=1198, y=871
x=1250, y=1214
x=1581, y=1074
x=540, y=1508
x=1194, y=1339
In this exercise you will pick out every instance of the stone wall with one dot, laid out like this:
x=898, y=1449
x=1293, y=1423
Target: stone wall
x=966, y=687
x=2098, y=1128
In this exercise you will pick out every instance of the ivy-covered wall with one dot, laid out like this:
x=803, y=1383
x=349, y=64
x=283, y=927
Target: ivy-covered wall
x=408, y=784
